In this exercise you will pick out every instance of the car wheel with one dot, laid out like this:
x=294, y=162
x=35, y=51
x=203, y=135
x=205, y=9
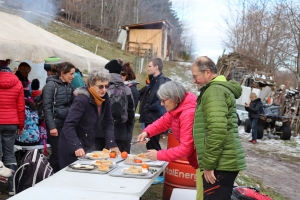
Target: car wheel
x=286, y=132
x=247, y=126
x=260, y=130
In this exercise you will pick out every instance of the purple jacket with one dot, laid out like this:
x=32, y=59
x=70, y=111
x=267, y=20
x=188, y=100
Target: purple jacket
x=81, y=124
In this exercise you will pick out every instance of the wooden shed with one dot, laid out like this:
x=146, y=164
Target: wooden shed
x=150, y=38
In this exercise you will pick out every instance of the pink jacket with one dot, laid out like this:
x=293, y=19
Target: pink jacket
x=181, y=121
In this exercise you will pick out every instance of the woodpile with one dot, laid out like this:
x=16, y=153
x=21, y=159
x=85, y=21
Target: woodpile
x=291, y=107
x=244, y=69
x=240, y=63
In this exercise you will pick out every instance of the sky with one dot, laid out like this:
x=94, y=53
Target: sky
x=206, y=20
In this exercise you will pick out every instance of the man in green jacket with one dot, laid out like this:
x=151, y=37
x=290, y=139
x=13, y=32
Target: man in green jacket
x=219, y=150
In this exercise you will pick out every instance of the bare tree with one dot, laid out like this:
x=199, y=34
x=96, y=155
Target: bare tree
x=291, y=19
x=257, y=32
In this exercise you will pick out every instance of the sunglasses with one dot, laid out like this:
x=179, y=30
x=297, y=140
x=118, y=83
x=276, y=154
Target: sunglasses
x=123, y=74
x=102, y=86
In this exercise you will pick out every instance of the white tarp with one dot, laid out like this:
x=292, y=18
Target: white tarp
x=20, y=40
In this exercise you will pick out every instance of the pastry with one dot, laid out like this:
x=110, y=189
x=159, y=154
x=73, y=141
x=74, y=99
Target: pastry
x=103, y=168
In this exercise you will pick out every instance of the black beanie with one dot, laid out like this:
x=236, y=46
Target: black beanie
x=113, y=67
x=35, y=84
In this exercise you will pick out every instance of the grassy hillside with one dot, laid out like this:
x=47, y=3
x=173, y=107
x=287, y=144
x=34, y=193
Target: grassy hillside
x=110, y=50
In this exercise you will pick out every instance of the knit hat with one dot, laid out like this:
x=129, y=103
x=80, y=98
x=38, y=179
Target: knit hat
x=50, y=61
x=35, y=84
x=113, y=66
x=24, y=67
x=3, y=63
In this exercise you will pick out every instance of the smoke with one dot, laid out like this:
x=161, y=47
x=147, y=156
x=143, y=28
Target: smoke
x=40, y=12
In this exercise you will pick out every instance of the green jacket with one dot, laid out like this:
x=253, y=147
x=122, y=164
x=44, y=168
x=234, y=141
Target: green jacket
x=215, y=129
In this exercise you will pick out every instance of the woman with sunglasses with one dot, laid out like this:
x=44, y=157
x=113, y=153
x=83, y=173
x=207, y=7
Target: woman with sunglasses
x=180, y=106
x=91, y=106
x=57, y=99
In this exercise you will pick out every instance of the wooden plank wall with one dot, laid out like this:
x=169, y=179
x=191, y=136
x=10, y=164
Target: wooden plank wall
x=153, y=36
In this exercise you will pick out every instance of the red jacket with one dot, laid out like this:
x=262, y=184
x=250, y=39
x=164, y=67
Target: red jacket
x=35, y=93
x=181, y=121
x=12, y=103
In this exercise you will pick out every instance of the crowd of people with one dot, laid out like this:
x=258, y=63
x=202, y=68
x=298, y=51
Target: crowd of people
x=81, y=117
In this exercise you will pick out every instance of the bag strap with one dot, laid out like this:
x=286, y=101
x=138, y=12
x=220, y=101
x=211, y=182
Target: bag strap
x=55, y=92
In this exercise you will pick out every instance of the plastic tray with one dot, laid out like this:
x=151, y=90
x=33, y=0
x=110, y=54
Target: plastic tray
x=150, y=164
x=119, y=173
x=88, y=161
x=94, y=171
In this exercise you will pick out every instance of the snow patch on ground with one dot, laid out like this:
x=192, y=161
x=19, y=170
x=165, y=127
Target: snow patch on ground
x=273, y=145
x=185, y=77
x=187, y=64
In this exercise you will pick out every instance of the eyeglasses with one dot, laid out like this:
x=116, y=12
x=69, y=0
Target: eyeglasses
x=163, y=101
x=102, y=86
x=196, y=76
x=123, y=74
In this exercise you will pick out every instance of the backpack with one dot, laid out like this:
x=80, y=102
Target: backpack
x=31, y=132
x=118, y=102
x=248, y=193
x=34, y=168
x=40, y=105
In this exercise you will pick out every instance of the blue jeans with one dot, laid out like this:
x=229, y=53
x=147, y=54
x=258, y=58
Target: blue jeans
x=254, y=128
x=7, y=140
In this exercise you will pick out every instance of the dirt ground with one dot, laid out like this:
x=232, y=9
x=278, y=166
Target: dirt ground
x=282, y=174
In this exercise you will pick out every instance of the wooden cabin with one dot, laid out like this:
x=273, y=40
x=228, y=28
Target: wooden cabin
x=150, y=39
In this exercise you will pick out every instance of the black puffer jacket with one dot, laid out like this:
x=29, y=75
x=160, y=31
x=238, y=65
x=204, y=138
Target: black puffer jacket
x=80, y=126
x=150, y=109
x=63, y=100
x=254, y=109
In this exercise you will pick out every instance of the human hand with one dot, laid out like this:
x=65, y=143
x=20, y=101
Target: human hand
x=151, y=154
x=53, y=132
x=209, y=176
x=20, y=132
x=80, y=152
x=142, y=137
x=116, y=149
x=246, y=105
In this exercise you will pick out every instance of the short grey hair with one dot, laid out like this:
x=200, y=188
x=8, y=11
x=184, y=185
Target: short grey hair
x=203, y=63
x=95, y=75
x=172, y=90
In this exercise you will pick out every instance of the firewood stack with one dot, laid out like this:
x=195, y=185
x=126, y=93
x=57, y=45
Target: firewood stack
x=238, y=62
